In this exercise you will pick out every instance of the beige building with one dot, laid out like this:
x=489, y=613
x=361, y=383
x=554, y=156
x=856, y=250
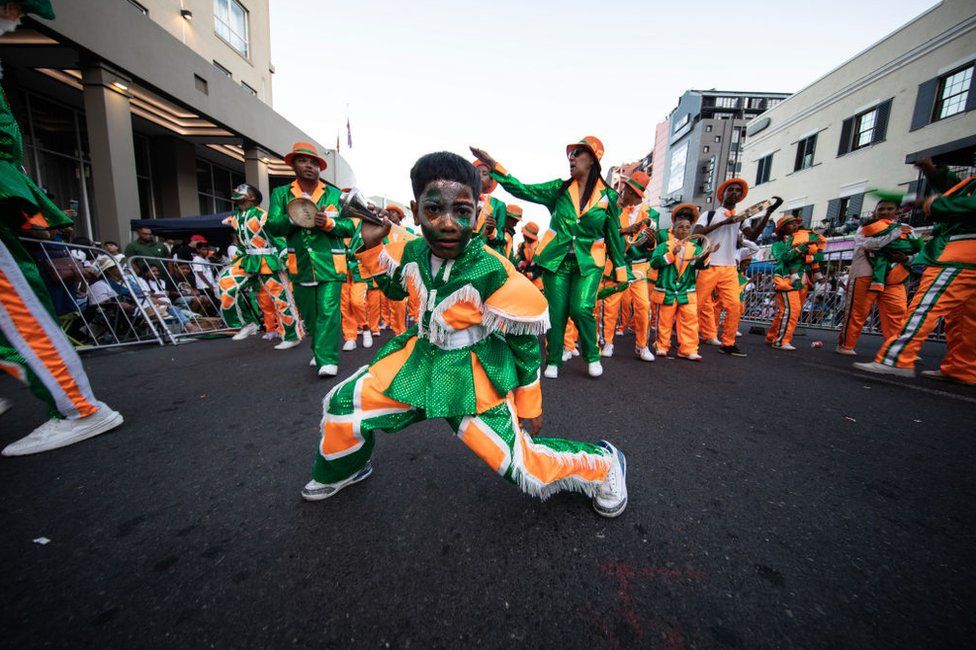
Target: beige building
x=912, y=94
x=143, y=109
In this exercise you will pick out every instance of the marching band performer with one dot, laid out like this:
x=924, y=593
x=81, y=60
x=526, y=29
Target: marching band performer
x=492, y=212
x=258, y=261
x=473, y=359
x=316, y=256
x=32, y=347
x=572, y=254
x=788, y=282
x=947, y=288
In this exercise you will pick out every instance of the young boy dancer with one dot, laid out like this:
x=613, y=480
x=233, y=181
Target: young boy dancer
x=473, y=358
x=674, y=290
x=788, y=282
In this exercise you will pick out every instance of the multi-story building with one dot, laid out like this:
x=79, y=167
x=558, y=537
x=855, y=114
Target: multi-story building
x=706, y=132
x=910, y=95
x=653, y=163
x=151, y=108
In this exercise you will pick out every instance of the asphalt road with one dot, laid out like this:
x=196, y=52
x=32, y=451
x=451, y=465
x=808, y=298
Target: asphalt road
x=779, y=500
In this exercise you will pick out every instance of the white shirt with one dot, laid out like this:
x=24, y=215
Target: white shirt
x=860, y=267
x=748, y=249
x=201, y=268
x=231, y=251
x=726, y=236
x=100, y=291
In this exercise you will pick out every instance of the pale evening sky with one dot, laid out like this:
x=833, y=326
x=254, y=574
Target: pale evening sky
x=522, y=79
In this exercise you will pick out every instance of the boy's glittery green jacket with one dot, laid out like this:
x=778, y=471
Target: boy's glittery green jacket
x=476, y=340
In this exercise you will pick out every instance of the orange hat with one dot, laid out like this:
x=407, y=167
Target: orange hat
x=396, y=208
x=741, y=182
x=530, y=231
x=638, y=182
x=477, y=163
x=305, y=149
x=591, y=143
x=512, y=210
x=690, y=207
x=785, y=219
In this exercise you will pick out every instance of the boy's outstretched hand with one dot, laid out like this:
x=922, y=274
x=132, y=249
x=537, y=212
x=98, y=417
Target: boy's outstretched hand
x=532, y=425
x=483, y=156
x=373, y=233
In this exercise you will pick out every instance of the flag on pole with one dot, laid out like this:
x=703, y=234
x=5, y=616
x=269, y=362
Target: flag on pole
x=348, y=133
x=337, y=140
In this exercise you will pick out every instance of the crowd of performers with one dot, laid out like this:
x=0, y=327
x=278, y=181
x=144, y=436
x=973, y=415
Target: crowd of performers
x=467, y=307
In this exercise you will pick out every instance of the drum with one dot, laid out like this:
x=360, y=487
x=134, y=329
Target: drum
x=302, y=211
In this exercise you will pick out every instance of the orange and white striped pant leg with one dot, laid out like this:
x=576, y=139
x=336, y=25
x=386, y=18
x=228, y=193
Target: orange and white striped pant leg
x=35, y=350
x=788, y=308
x=352, y=306
x=960, y=357
x=357, y=407
x=941, y=291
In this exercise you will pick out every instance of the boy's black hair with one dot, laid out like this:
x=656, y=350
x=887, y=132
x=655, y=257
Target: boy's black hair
x=686, y=215
x=109, y=241
x=444, y=165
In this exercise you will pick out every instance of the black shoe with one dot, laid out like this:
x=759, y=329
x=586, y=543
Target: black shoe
x=732, y=350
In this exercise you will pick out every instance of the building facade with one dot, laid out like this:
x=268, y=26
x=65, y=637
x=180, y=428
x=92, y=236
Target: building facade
x=705, y=135
x=151, y=108
x=910, y=95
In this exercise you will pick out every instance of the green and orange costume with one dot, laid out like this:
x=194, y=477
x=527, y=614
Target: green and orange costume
x=472, y=359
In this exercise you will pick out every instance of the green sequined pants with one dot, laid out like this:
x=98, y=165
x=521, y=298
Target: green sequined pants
x=571, y=295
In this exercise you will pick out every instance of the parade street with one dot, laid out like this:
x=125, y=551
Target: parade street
x=778, y=500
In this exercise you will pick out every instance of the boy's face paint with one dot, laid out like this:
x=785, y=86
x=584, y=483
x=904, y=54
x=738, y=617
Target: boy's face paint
x=447, y=211
x=681, y=228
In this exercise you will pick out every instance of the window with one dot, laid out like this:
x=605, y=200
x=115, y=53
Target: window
x=222, y=70
x=214, y=184
x=736, y=135
x=726, y=102
x=708, y=128
x=755, y=102
x=230, y=23
x=201, y=84
x=763, y=168
x=773, y=102
x=676, y=168
x=248, y=89
x=864, y=129
x=805, y=150
x=718, y=138
x=952, y=93
x=680, y=123
x=705, y=149
x=147, y=209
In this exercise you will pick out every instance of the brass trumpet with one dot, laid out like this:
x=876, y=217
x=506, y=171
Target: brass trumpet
x=353, y=205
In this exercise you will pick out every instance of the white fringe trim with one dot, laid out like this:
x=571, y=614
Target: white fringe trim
x=440, y=331
x=387, y=262
x=494, y=318
x=578, y=461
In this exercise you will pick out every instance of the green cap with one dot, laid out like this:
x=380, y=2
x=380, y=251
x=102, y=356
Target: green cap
x=239, y=192
x=893, y=196
x=41, y=8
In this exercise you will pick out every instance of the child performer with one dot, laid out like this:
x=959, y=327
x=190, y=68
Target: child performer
x=525, y=253
x=583, y=229
x=492, y=213
x=259, y=258
x=473, y=358
x=788, y=281
x=674, y=290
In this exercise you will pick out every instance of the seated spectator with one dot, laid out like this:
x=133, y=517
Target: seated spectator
x=106, y=288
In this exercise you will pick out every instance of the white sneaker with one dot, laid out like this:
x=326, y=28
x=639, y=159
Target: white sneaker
x=61, y=433
x=315, y=491
x=645, y=354
x=5, y=405
x=367, y=339
x=607, y=350
x=712, y=342
x=845, y=351
x=349, y=345
x=882, y=369
x=246, y=331
x=312, y=362
x=690, y=357
x=784, y=346
x=551, y=372
x=330, y=370
x=567, y=355
x=595, y=369
x=286, y=345
x=738, y=334
x=271, y=336
x=610, y=499
x=575, y=352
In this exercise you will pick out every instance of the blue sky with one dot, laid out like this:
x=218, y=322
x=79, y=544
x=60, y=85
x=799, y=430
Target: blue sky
x=521, y=79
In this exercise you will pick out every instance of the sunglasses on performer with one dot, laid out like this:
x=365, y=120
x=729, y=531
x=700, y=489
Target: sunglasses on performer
x=576, y=152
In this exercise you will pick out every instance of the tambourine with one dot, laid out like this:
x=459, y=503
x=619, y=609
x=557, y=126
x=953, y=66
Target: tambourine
x=302, y=211
x=703, y=242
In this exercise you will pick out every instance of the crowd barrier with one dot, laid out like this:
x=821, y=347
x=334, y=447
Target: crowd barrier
x=824, y=306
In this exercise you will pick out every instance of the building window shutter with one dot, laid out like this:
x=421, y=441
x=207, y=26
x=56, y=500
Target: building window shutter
x=855, y=204
x=881, y=122
x=798, y=161
x=833, y=209
x=846, y=130
x=971, y=98
x=925, y=103
x=807, y=215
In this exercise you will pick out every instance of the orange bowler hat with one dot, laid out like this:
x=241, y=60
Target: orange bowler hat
x=590, y=142
x=530, y=231
x=785, y=219
x=396, y=208
x=305, y=149
x=638, y=182
x=686, y=207
x=512, y=210
x=741, y=182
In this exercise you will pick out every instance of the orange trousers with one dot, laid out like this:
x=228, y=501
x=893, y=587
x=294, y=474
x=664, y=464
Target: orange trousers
x=268, y=312
x=686, y=317
x=944, y=292
x=789, y=304
x=352, y=306
x=637, y=294
x=892, y=308
x=725, y=281
x=571, y=337
x=373, y=308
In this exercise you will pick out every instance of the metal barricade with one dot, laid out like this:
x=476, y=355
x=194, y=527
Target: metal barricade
x=825, y=303
x=187, y=289
x=98, y=302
